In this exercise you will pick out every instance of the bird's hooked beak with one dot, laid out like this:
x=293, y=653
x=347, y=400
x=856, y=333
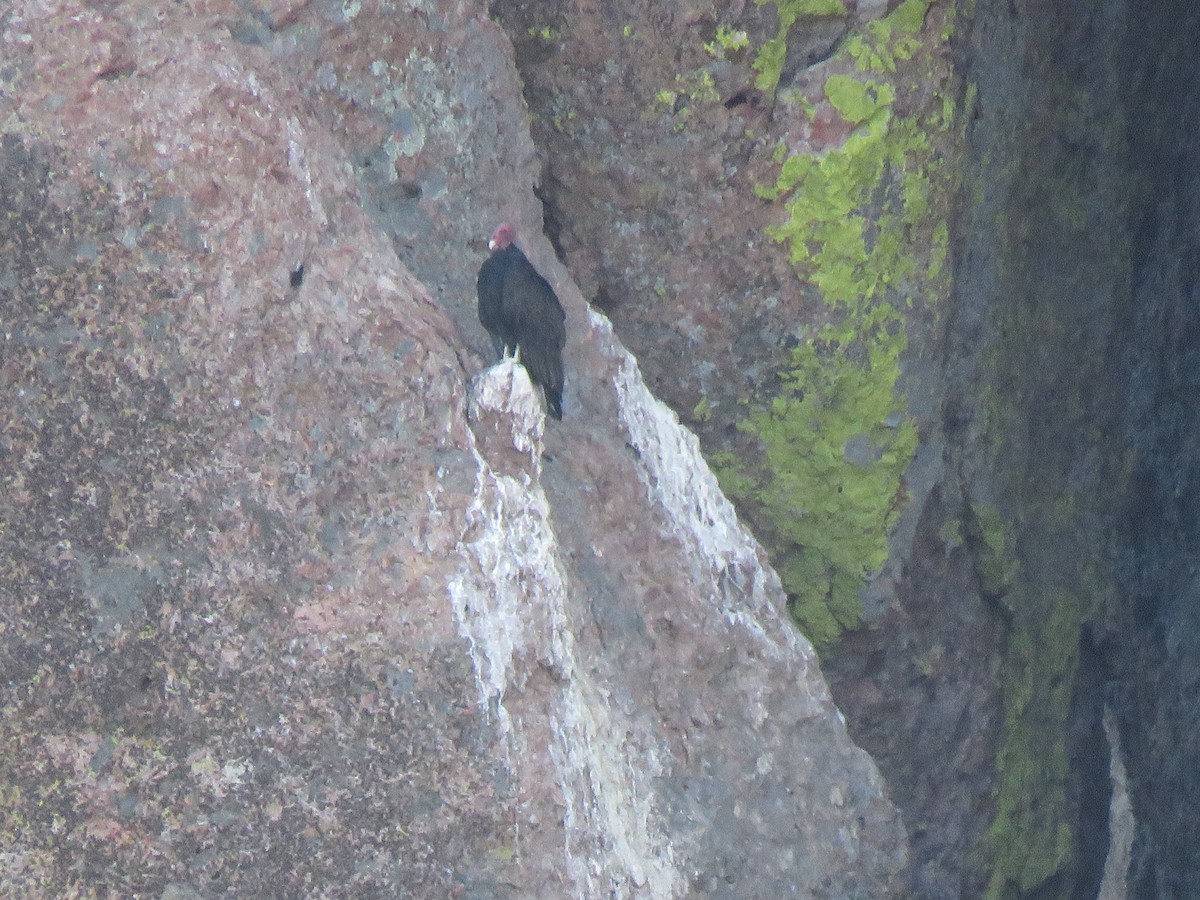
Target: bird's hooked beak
x=491, y=243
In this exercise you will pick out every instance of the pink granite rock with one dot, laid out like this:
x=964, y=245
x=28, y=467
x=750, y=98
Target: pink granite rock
x=300, y=601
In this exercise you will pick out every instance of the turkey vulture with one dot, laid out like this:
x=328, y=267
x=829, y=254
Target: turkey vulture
x=518, y=308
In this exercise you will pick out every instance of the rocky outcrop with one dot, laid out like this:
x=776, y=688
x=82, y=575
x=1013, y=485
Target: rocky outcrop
x=1034, y=583
x=295, y=602
x=1072, y=346
x=759, y=196
x=755, y=195
x=1151, y=644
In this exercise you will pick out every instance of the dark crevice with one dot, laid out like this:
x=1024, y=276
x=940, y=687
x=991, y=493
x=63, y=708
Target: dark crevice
x=551, y=218
x=1090, y=758
x=1156, y=658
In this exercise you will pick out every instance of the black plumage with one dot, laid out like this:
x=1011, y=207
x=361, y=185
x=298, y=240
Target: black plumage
x=520, y=311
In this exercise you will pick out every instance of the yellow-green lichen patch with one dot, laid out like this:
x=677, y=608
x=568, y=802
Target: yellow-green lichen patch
x=996, y=553
x=1045, y=562
x=769, y=61
x=695, y=87
x=865, y=225
x=1041, y=548
x=835, y=448
x=884, y=41
x=1030, y=841
x=1031, y=838
x=727, y=41
x=858, y=100
x=797, y=8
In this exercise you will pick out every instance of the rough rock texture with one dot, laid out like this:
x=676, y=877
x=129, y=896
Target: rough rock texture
x=689, y=182
x=292, y=605
x=1038, y=575
x=660, y=155
x=1069, y=452
x=1074, y=346
x=295, y=602
x=1153, y=642
x=1032, y=423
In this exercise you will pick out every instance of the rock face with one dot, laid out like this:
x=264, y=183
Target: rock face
x=1031, y=424
x=766, y=316
x=1076, y=456
x=294, y=602
x=1152, y=643
x=1037, y=583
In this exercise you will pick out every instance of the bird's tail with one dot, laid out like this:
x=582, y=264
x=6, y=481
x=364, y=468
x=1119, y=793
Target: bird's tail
x=554, y=401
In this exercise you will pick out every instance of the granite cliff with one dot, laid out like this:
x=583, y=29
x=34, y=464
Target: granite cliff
x=299, y=598
x=939, y=366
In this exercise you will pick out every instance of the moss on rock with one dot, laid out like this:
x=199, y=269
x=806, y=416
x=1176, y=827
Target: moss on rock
x=769, y=62
x=1029, y=839
x=1046, y=446
x=865, y=225
x=996, y=561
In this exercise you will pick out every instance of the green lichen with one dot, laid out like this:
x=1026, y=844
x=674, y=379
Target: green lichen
x=996, y=552
x=726, y=41
x=834, y=450
x=827, y=231
x=909, y=16
x=857, y=100
x=1045, y=548
x=885, y=41
x=1050, y=582
x=1030, y=842
x=796, y=8
x=1031, y=839
x=769, y=61
x=698, y=86
x=882, y=43
x=732, y=478
x=863, y=226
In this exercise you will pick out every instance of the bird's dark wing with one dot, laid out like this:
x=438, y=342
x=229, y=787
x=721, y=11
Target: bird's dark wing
x=490, y=287
x=531, y=307
x=537, y=321
x=520, y=311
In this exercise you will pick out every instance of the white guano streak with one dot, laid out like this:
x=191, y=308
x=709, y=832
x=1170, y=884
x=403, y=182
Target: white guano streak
x=510, y=600
x=726, y=555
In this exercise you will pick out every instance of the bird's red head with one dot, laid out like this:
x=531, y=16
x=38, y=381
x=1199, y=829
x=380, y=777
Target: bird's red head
x=503, y=237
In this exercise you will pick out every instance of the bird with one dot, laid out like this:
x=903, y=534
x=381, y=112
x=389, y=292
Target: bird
x=522, y=315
